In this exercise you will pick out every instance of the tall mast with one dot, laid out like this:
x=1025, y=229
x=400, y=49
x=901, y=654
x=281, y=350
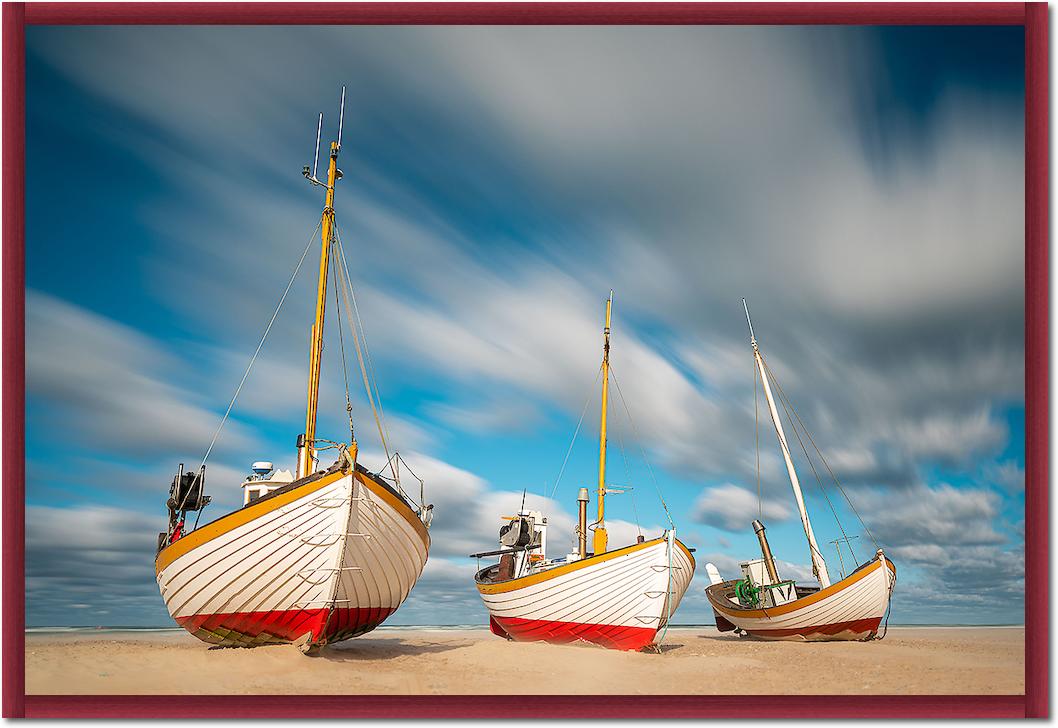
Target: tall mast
x=306, y=443
x=600, y=538
x=819, y=566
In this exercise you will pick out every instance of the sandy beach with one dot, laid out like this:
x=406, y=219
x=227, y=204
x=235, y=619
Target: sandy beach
x=694, y=660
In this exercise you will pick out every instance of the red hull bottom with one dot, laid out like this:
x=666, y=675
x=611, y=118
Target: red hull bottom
x=858, y=629
x=614, y=637
x=250, y=629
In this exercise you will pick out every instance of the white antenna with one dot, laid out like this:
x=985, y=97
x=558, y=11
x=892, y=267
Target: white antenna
x=341, y=118
x=315, y=162
x=752, y=338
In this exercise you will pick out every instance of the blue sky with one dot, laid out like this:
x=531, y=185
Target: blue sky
x=862, y=187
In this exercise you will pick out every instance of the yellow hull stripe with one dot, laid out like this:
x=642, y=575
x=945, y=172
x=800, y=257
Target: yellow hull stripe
x=806, y=601
x=398, y=505
x=530, y=579
x=689, y=555
x=233, y=520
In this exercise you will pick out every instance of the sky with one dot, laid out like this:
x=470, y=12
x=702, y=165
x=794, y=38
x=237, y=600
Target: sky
x=863, y=188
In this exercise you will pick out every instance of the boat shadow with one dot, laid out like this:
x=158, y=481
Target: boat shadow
x=385, y=649
x=662, y=649
x=731, y=637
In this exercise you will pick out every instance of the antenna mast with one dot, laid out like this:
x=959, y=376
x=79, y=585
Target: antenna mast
x=307, y=441
x=600, y=539
x=316, y=157
x=341, y=118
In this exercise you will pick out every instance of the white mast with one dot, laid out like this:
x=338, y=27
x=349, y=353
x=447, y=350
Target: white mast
x=819, y=566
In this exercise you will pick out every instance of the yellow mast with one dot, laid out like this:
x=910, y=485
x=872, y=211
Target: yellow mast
x=599, y=540
x=306, y=444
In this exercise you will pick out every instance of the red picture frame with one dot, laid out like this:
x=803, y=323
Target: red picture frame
x=1033, y=16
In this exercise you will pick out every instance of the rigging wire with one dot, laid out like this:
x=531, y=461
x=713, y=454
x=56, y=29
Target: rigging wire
x=639, y=441
x=363, y=331
x=822, y=459
x=777, y=424
x=346, y=295
x=786, y=408
x=260, y=344
x=341, y=343
x=628, y=478
x=583, y=411
x=381, y=414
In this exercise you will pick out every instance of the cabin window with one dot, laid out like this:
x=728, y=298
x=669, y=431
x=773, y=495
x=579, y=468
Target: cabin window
x=254, y=494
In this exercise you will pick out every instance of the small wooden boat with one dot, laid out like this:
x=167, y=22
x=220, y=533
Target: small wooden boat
x=310, y=558
x=850, y=609
x=763, y=605
x=618, y=598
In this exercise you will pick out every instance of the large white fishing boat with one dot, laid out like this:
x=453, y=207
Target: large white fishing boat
x=762, y=604
x=313, y=557
x=619, y=598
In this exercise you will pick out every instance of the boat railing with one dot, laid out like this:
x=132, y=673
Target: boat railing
x=394, y=466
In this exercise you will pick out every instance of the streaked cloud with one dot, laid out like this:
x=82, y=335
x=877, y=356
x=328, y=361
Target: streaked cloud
x=498, y=183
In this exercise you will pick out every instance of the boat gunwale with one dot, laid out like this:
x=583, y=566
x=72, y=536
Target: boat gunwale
x=507, y=585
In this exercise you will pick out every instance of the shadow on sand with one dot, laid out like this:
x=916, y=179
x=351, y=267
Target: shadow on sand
x=662, y=649
x=385, y=649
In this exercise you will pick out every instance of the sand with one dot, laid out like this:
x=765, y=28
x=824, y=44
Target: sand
x=694, y=660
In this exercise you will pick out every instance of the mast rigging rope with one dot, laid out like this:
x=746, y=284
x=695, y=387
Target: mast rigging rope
x=787, y=407
x=341, y=343
x=260, y=344
x=639, y=442
x=583, y=411
x=777, y=423
x=360, y=356
x=822, y=459
x=628, y=477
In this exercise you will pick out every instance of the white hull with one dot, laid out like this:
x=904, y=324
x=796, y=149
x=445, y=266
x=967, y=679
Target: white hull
x=322, y=560
x=617, y=599
x=850, y=609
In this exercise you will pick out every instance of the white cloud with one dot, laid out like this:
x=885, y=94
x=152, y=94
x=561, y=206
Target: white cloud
x=488, y=417
x=732, y=508
x=923, y=515
x=1008, y=475
x=951, y=439
x=114, y=385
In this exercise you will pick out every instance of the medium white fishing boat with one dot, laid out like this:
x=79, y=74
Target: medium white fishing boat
x=313, y=557
x=619, y=598
x=762, y=604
